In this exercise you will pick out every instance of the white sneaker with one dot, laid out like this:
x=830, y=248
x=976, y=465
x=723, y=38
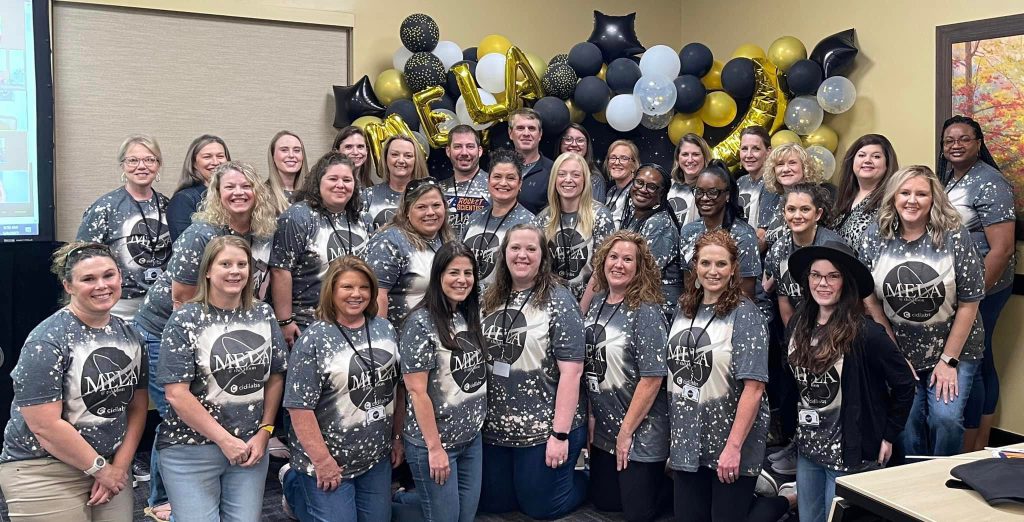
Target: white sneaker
x=282, y=472
x=782, y=453
x=766, y=485
x=787, y=489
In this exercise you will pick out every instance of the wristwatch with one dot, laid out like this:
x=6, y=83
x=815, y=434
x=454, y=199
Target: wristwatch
x=559, y=435
x=951, y=361
x=97, y=465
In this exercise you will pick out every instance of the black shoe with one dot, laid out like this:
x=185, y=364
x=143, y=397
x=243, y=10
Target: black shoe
x=140, y=470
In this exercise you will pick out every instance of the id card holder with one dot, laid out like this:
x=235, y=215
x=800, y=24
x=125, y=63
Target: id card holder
x=151, y=275
x=691, y=392
x=374, y=414
x=592, y=384
x=809, y=418
x=501, y=369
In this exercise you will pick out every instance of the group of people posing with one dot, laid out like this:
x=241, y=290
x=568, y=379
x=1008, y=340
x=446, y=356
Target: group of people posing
x=489, y=328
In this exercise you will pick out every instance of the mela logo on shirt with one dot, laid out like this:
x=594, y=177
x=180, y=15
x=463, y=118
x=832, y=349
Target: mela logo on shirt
x=787, y=286
x=338, y=245
x=571, y=253
x=372, y=377
x=467, y=364
x=108, y=381
x=239, y=361
x=914, y=291
x=679, y=205
x=505, y=332
x=689, y=358
x=485, y=245
x=596, y=362
x=141, y=244
x=745, y=200
x=817, y=390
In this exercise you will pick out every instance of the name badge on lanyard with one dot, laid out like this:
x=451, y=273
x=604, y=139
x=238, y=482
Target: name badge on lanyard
x=501, y=368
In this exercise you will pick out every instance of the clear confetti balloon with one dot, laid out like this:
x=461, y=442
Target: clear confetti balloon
x=657, y=122
x=836, y=94
x=656, y=93
x=803, y=115
x=823, y=157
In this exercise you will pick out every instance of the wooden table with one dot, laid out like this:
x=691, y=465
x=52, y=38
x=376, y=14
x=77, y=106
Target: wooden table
x=918, y=492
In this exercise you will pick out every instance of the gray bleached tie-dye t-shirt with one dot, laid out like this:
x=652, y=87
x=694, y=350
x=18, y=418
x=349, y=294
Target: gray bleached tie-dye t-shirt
x=617, y=200
x=456, y=382
x=573, y=250
x=708, y=359
x=380, y=203
x=464, y=198
x=680, y=197
x=920, y=287
x=984, y=198
x=741, y=232
x=401, y=269
x=350, y=388
x=529, y=340
x=305, y=243
x=93, y=372
x=140, y=241
x=226, y=357
x=484, y=233
x=663, y=240
x=750, y=198
x=624, y=345
x=819, y=435
x=776, y=263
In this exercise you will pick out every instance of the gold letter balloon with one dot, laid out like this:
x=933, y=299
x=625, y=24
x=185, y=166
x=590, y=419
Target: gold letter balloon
x=379, y=132
x=763, y=107
x=516, y=91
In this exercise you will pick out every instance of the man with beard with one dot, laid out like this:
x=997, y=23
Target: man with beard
x=524, y=129
x=465, y=192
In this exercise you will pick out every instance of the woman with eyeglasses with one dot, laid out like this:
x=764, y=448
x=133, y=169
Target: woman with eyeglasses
x=286, y=168
x=691, y=156
x=79, y=403
x=401, y=253
x=403, y=163
x=486, y=228
x=573, y=222
x=621, y=164
x=624, y=372
x=867, y=166
x=755, y=145
x=929, y=280
x=536, y=423
x=203, y=156
x=345, y=404
x=132, y=221
x=325, y=223
x=576, y=139
x=351, y=141
x=984, y=199
x=786, y=165
x=222, y=365
x=716, y=197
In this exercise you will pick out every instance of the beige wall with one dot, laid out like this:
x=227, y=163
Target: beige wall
x=895, y=79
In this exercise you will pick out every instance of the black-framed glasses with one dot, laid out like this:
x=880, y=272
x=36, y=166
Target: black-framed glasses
x=962, y=140
x=620, y=159
x=419, y=183
x=134, y=162
x=639, y=184
x=711, y=194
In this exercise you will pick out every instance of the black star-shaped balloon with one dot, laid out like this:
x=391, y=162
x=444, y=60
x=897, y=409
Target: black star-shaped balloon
x=353, y=101
x=615, y=36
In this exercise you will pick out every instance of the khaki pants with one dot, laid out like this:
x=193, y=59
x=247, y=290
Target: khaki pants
x=47, y=489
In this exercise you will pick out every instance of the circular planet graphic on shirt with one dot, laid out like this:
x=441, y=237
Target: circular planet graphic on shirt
x=745, y=199
x=571, y=253
x=679, y=205
x=914, y=291
x=371, y=378
x=239, y=362
x=108, y=382
x=384, y=217
x=505, y=333
x=468, y=364
x=338, y=244
x=485, y=246
x=144, y=251
x=818, y=391
x=689, y=361
x=596, y=362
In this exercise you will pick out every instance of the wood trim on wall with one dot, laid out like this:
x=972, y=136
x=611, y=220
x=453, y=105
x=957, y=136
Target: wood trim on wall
x=253, y=9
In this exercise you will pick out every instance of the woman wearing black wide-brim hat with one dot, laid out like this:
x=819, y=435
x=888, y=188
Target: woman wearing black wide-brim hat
x=855, y=387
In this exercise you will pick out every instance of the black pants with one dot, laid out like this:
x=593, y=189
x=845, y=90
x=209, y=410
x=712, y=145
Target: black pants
x=701, y=497
x=641, y=492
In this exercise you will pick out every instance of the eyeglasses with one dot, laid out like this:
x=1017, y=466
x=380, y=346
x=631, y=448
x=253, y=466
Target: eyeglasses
x=831, y=278
x=134, y=162
x=419, y=183
x=711, y=194
x=569, y=140
x=639, y=185
x=620, y=159
x=962, y=140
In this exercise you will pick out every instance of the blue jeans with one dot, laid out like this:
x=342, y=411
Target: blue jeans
x=934, y=427
x=985, y=390
x=816, y=485
x=518, y=479
x=456, y=500
x=366, y=498
x=157, y=493
x=203, y=486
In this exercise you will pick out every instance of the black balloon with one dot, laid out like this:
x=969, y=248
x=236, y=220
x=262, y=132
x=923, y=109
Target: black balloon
x=353, y=101
x=696, y=59
x=559, y=81
x=452, y=86
x=419, y=33
x=585, y=58
x=615, y=36
x=469, y=54
x=835, y=53
x=558, y=58
x=554, y=115
x=592, y=95
x=804, y=77
x=690, y=93
x=438, y=164
x=446, y=102
x=622, y=75
x=407, y=111
x=498, y=138
x=424, y=70
x=738, y=78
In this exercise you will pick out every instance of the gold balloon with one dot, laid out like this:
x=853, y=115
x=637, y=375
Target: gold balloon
x=824, y=136
x=492, y=43
x=784, y=136
x=538, y=64
x=390, y=87
x=379, y=132
x=682, y=124
x=362, y=121
x=763, y=107
x=599, y=116
x=527, y=89
x=719, y=109
x=603, y=72
x=575, y=113
x=785, y=51
x=431, y=119
x=713, y=79
x=749, y=50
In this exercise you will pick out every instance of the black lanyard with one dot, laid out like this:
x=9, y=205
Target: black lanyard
x=455, y=184
x=560, y=249
x=511, y=320
x=600, y=310
x=371, y=363
x=152, y=236
x=337, y=235
x=617, y=194
x=703, y=332
x=954, y=181
x=487, y=223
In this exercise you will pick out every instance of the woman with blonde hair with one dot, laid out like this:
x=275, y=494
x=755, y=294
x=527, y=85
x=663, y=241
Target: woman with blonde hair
x=691, y=156
x=929, y=280
x=402, y=162
x=573, y=222
x=786, y=165
x=286, y=168
x=621, y=164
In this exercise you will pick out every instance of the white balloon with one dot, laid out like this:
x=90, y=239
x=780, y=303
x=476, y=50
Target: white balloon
x=804, y=115
x=450, y=123
x=824, y=158
x=660, y=59
x=623, y=112
x=836, y=94
x=490, y=72
x=657, y=94
x=400, y=57
x=449, y=52
x=422, y=139
x=463, y=113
